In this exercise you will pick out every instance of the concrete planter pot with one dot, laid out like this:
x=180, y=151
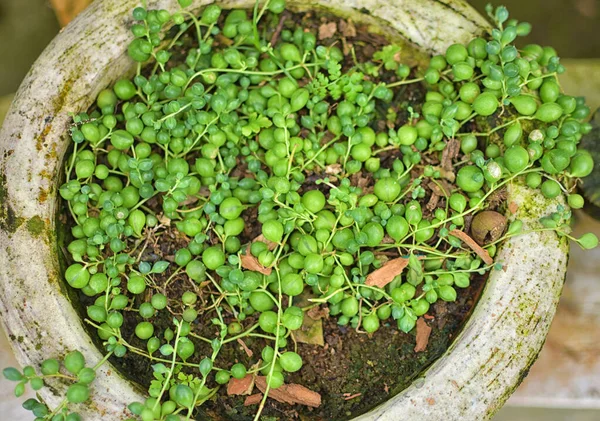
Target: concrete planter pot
x=471, y=381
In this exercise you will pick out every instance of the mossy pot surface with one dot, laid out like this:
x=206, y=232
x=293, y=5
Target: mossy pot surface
x=471, y=381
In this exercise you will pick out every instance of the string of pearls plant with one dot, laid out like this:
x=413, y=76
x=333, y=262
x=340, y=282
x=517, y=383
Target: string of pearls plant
x=232, y=124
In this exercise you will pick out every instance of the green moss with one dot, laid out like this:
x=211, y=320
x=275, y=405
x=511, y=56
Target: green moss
x=36, y=226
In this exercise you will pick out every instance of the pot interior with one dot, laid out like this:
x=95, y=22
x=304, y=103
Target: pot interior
x=373, y=368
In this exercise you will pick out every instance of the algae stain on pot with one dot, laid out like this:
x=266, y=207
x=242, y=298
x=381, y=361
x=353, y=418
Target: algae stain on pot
x=51, y=154
x=9, y=220
x=59, y=105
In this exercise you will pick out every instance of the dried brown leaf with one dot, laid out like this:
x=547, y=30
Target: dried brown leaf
x=498, y=197
x=441, y=188
x=327, y=30
x=450, y=152
x=318, y=312
x=423, y=332
x=223, y=40
x=443, y=191
x=290, y=393
x=279, y=28
x=240, y=386
x=468, y=220
x=447, y=174
x=190, y=201
x=433, y=202
x=386, y=273
x=485, y=256
x=253, y=399
x=251, y=263
x=271, y=245
x=347, y=28
x=311, y=332
x=361, y=180
x=513, y=207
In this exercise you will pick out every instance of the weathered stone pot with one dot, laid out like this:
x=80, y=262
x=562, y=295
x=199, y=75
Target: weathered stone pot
x=470, y=382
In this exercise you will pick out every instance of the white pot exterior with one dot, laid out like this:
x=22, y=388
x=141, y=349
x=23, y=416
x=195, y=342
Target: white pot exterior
x=480, y=370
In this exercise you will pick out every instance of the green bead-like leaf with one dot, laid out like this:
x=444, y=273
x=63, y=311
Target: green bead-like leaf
x=19, y=389
x=184, y=396
x=12, y=374
x=406, y=323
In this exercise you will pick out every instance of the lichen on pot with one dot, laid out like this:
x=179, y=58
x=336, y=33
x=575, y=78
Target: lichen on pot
x=267, y=181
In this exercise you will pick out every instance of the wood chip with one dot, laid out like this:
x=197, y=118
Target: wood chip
x=333, y=169
x=347, y=28
x=481, y=252
x=251, y=263
x=240, y=386
x=164, y=220
x=386, y=273
x=253, y=399
x=346, y=46
x=290, y=393
x=433, y=202
x=450, y=152
x=348, y=396
x=423, y=332
x=247, y=350
x=513, y=207
x=327, y=30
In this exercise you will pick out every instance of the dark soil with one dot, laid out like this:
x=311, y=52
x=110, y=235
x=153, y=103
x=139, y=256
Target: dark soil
x=353, y=372
x=375, y=366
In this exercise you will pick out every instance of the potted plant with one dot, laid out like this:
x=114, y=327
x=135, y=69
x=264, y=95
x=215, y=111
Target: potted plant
x=198, y=199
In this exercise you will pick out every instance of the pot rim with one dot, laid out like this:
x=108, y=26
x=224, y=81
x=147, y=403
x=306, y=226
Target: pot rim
x=482, y=367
